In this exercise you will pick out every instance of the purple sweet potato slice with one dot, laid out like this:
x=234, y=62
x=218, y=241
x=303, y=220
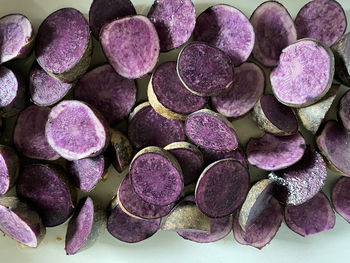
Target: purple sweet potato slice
x=211, y=130
x=9, y=168
x=211, y=156
x=323, y=20
x=21, y=222
x=248, y=86
x=75, y=131
x=140, y=45
x=228, y=29
x=257, y=200
x=314, y=216
x=263, y=230
x=341, y=197
x=302, y=180
x=29, y=134
x=333, y=144
x=274, y=117
x=16, y=37
x=63, y=47
x=272, y=21
x=221, y=188
x=49, y=190
x=130, y=229
x=44, y=89
x=341, y=51
x=189, y=158
x=303, y=64
x=344, y=110
x=147, y=127
x=121, y=150
x=12, y=93
x=174, y=21
x=271, y=152
x=204, y=70
x=135, y=206
x=107, y=91
x=85, y=227
x=102, y=12
x=169, y=97
x=312, y=116
x=156, y=176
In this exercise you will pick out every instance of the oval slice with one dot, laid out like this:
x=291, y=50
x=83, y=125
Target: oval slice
x=9, y=168
x=341, y=197
x=344, y=110
x=122, y=150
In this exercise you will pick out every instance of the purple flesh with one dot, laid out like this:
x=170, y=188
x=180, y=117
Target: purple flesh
x=136, y=206
x=323, y=20
x=302, y=65
x=221, y=188
x=272, y=153
x=274, y=30
x=171, y=93
x=228, y=29
x=312, y=217
x=129, y=229
x=304, y=179
x=205, y=70
x=341, y=197
x=146, y=127
x=102, y=12
x=344, y=110
x=108, y=92
x=211, y=156
x=174, y=21
x=248, y=86
x=206, y=129
x=265, y=228
x=44, y=89
x=68, y=40
x=74, y=131
x=139, y=39
x=48, y=190
x=9, y=168
x=29, y=134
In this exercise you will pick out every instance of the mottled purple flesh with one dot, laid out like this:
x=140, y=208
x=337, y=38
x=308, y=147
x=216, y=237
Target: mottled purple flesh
x=122, y=151
x=211, y=156
x=9, y=168
x=341, y=51
x=344, y=110
x=341, y=197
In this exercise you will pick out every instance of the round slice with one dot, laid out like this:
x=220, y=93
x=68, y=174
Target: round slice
x=21, y=222
x=274, y=117
x=211, y=156
x=271, y=152
x=248, y=86
x=169, y=97
x=341, y=197
x=304, y=64
x=122, y=150
x=211, y=130
x=146, y=127
x=204, y=70
x=156, y=176
x=228, y=29
x=29, y=134
x=75, y=131
x=221, y=188
x=9, y=168
x=312, y=217
x=344, y=110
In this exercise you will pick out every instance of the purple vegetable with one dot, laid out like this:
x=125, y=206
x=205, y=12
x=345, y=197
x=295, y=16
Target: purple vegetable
x=323, y=20
x=304, y=64
x=211, y=156
x=344, y=110
x=16, y=37
x=156, y=176
x=169, y=97
x=274, y=30
x=29, y=134
x=221, y=188
x=341, y=197
x=138, y=37
x=271, y=152
x=341, y=51
x=75, y=131
x=228, y=29
x=147, y=127
x=49, y=190
x=108, y=92
x=274, y=117
x=102, y=12
x=9, y=168
x=211, y=130
x=312, y=217
x=121, y=150
x=66, y=53
x=21, y=222
x=204, y=70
